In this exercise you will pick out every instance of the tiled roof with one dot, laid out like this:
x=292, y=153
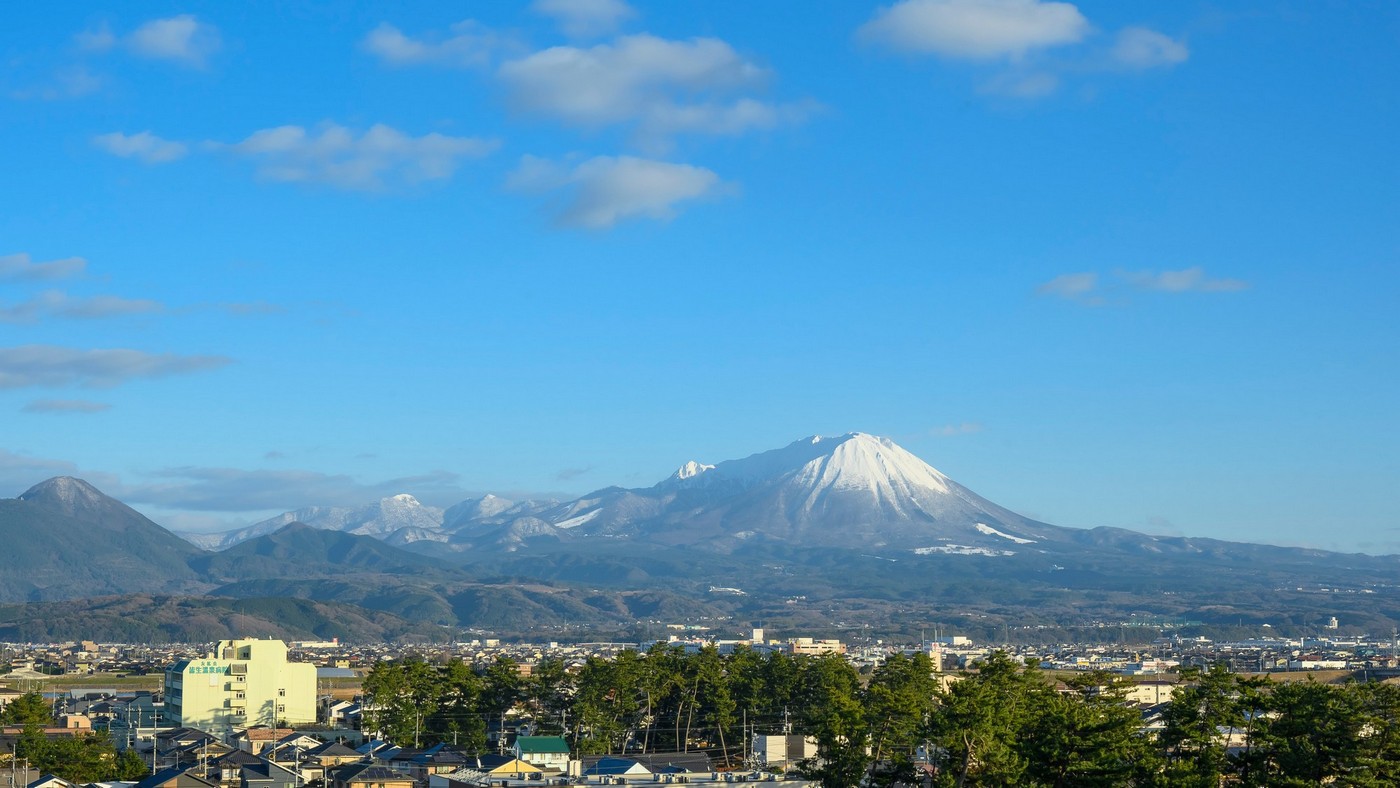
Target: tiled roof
x=367, y=772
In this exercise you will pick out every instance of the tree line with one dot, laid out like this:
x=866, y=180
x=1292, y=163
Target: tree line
x=1005, y=724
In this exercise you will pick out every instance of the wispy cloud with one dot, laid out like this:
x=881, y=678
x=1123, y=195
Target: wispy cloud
x=1141, y=48
x=66, y=83
x=97, y=39
x=976, y=29
x=22, y=268
x=253, y=308
x=50, y=365
x=144, y=146
x=1075, y=287
x=335, y=155
x=660, y=87
x=569, y=474
x=1187, y=280
x=19, y=472
x=602, y=191
x=55, y=303
x=66, y=406
x=182, y=39
x=1092, y=289
x=585, y=18
x=469, y=44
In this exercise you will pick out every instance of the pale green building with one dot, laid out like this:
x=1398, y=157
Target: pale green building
x=239, y=684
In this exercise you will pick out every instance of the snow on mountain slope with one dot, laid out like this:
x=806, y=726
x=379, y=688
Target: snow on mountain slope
x=990, y=531
x=383, y=518
x=851, y=490
x=854, y=490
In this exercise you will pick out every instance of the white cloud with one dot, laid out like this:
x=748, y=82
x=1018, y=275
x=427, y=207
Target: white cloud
x=20, y=267
x=976, y=29
x=65, y=406
x=50, y=365
x=1141, y=48
x=470, y=44
x=584, y=18
x=1071, y=286
x=334, y=155
x=660, y=86
x=1187, y=280
x=612, y=83
x=182, y=38
x=144, y=146
x=605, y=190
x=56, y=303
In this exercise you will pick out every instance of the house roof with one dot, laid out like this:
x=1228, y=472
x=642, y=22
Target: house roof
x=185, y=735
x=333, y=749
x=537, y=745
x=237, y=758
x=610, y=765
x=368, y=772
x=264, y=734
x=50, y=781
x=504, y=764
x=181, y=773
x=264, y=771
x=372, y=746
x=674, y=762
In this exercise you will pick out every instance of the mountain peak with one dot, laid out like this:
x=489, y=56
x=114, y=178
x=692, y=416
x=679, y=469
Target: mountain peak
x=68, y=494
x=691, y=470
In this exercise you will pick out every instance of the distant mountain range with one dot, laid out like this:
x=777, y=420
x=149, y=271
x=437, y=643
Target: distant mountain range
x=853, y=491
x=825, y=532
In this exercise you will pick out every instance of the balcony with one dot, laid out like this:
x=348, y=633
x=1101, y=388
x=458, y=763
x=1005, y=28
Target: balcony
x=238, y=669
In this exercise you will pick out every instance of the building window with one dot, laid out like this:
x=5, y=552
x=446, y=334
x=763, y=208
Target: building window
x=281, y=708
x=281, y=693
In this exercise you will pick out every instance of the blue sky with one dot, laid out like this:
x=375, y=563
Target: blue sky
x=1128, y=264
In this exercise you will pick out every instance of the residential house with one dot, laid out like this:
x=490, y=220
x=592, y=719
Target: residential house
x=546, y=752
x=227, y=769
x=259, y=738
x=332, y=754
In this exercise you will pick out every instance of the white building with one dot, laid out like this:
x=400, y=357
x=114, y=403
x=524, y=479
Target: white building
x=776, y=752
x=239, y=684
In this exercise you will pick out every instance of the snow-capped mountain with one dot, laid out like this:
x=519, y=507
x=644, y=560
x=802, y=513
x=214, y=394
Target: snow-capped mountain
x=854, y=490
x=400, y=519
